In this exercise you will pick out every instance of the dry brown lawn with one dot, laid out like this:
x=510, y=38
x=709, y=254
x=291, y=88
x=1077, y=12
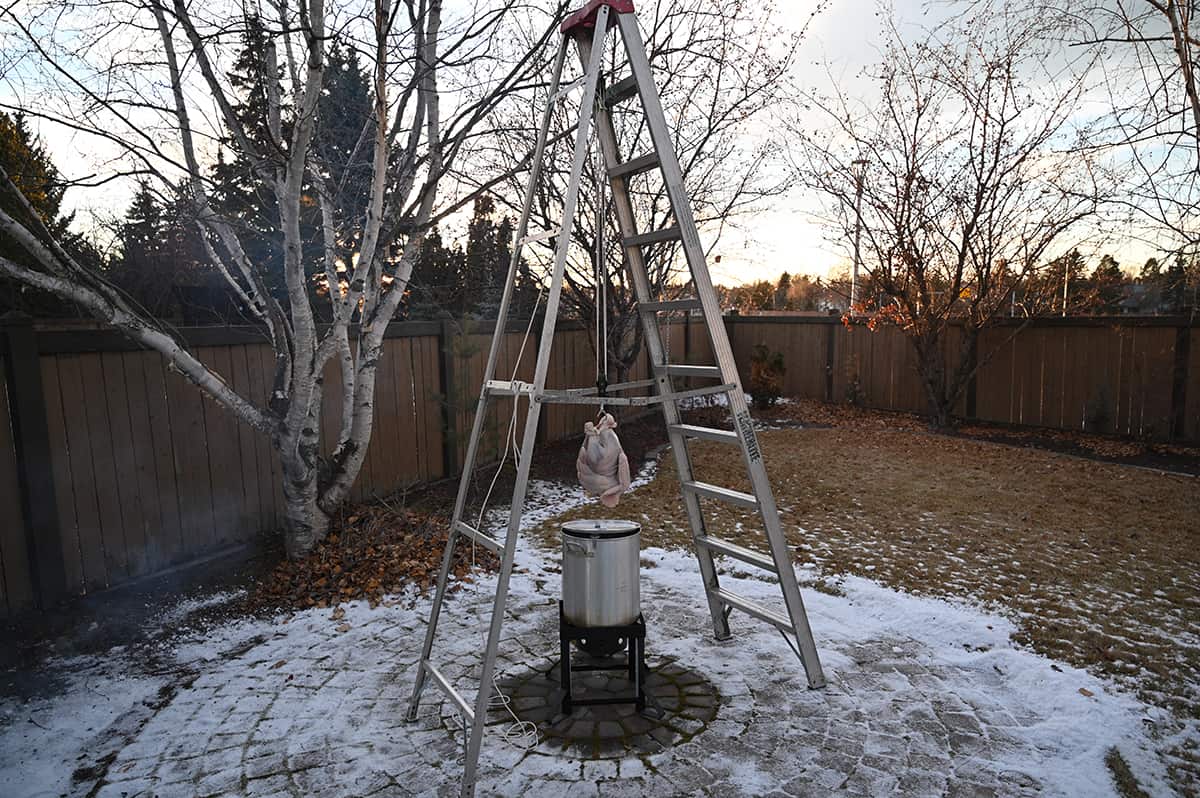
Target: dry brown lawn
x=1098, y=564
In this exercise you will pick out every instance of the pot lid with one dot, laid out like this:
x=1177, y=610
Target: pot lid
x=600, y=528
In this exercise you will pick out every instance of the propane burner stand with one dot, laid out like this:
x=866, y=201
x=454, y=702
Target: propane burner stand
x=605, y=638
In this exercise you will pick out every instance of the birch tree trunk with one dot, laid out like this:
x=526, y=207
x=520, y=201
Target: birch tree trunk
x=169, y=73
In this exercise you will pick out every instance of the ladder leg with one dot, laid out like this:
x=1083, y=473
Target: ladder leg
x=488, y=667
x=641, y=282
x=681, y=207
x=529, y=436
x=481, y=406
x=439, y=595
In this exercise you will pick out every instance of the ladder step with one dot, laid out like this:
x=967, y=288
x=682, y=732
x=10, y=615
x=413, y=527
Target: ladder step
x=567, y=89
x=620, y=91
x=670, y=305
x=681, y=370
x=752, y=608
x=722, y=494
x=739, y=553
x=487, y=541
x=666, y=234
x=509, y=388
x=577, y=397
x=539, y=237
x=707, y=433
x=451, y=693
x=643, y=163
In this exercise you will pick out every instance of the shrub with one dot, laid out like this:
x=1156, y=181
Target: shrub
x=766, y=376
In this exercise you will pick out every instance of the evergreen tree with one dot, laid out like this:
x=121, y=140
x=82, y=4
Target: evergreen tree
x=162, y=267
x=29, y=166
x=783, y=292
x=343, y=141
x=1108, y=286
x=1181, y=283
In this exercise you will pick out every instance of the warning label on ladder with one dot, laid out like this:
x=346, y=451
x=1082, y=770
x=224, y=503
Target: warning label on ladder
x=746, y=425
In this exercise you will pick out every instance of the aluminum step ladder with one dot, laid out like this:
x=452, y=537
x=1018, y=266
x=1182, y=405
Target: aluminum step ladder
x=588, y=29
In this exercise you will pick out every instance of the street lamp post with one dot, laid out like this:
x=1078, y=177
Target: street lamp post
x=859, y=167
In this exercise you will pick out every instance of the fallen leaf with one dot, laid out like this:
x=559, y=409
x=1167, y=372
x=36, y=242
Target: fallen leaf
x=344, y=627
x=338, y=614
x=1086, y=693
x=279, y=664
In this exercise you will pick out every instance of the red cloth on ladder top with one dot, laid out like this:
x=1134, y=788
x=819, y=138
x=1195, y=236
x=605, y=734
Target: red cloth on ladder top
x=586, y=16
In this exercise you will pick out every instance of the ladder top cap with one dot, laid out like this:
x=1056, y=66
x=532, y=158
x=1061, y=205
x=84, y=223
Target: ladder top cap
x=586, y=16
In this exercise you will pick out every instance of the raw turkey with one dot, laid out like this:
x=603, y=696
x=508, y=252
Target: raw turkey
x=602, y=465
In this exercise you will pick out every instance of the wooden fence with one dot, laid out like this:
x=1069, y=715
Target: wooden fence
x=113, y=466
x=1129, y=376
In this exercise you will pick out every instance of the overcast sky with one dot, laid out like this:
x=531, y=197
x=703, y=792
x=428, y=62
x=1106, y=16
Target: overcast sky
x=840, y=41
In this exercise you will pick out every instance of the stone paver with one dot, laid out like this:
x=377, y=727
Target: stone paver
x=310, y=710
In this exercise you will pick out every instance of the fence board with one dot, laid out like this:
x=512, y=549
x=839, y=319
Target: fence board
x=239, y=380
x=258, y=388
x=426, y=357
x=169, y=542
x=16, y=584
x=112, y=522
x=1191, y=423
x=128, y=492
x=64, y=488
x=141, y=450
x=192, y=476
x=83, y=474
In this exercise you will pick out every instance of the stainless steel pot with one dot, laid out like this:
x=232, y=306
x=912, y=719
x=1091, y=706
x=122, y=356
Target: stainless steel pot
x=600, y=572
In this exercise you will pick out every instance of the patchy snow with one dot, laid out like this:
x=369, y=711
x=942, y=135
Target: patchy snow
x=43, y=740
x=282, y=704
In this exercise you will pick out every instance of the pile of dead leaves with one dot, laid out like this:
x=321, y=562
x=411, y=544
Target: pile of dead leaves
x=373, y=551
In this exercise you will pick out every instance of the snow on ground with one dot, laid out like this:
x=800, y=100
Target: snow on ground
x=923, y=695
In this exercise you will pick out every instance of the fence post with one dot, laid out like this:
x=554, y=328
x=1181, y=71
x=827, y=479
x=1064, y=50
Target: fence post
x=446, y=336
x=35, y=473
x=830, y=331
x=973, y=382
x=1179, y=382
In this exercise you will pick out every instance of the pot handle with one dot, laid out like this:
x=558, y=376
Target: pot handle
x=576, y=547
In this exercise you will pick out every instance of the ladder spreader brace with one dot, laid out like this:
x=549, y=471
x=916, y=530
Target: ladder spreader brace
x=588, y=28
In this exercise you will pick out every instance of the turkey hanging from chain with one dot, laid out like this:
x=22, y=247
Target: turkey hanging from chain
x=602, y=466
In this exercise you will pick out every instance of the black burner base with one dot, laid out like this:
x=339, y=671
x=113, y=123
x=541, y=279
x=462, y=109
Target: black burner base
x=609, y=640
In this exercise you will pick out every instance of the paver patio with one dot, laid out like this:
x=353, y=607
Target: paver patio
x=925, y=698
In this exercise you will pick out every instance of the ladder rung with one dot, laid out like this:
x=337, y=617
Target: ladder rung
x=670, y=305
x=620, y=91
x=539, y=237
x=752, y=608
x=739, y=552
x=707, y=433
x=681, y=370
x=643, y=163
x=487, y=541
x=723, y=494
x=451, y=693
x=567, y=89
x=653, y=237
x=509, y=387
x=576, y=397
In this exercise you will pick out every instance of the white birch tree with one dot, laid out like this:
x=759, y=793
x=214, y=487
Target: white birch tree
x=145, y=79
